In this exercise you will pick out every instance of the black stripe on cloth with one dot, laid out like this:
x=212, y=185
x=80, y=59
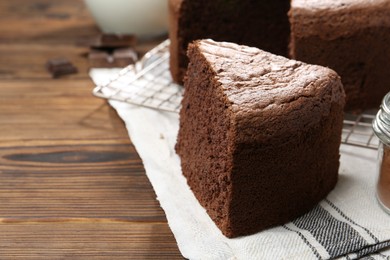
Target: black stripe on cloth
x=315, y=252
x=337, y=237
x=372, y=249
x=350, y=220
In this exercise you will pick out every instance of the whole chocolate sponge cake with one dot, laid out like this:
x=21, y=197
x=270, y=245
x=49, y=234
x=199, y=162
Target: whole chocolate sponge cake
x=261, y=23
x=350, y=36
x=259, y=135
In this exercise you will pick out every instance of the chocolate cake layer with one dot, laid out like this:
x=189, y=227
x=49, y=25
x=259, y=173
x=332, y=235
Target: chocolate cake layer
x=351, y=37
x=263, y=24
x=259, y=135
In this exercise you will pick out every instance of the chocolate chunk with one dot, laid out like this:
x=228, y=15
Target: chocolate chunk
x=60, y=66
x=106, y=58
x=98, y=55
x=114, y=41
x=125, y=56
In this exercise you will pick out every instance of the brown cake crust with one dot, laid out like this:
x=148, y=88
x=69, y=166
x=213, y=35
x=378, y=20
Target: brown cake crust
x=261, y=23
x=350, y=37
x=259, y=135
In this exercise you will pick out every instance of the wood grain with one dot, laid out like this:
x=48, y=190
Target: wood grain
x=72, y=185
x=98, y=181
x=56, y=110
x=45, y=22
x=98, y=240
x=20, y=62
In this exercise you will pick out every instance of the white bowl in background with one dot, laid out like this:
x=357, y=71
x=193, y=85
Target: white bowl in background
x=144, y=18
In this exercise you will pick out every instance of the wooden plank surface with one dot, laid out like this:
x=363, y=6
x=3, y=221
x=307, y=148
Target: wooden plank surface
x=71, y=183
x=94, y=240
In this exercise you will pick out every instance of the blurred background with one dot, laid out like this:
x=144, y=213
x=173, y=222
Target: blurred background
x=72, y=185
x=67, y=28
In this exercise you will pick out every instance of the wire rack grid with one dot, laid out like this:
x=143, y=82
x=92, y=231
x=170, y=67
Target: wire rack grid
x=148, y=83
x=357, y=130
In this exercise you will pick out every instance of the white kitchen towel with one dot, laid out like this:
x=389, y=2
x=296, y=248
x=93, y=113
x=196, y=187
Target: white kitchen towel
x=348, y=224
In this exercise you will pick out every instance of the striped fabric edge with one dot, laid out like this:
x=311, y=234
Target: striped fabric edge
x=330, y=233
x=371, y=252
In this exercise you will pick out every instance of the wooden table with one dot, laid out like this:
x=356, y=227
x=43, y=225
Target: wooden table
x=71, y=183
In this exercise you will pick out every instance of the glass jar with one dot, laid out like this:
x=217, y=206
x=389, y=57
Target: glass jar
x=381, y=126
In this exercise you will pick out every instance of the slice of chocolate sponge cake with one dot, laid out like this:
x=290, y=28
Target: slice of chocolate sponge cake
x=259, y=135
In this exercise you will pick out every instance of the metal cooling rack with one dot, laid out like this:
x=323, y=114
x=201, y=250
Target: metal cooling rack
x=357, y=130
x=148, y=83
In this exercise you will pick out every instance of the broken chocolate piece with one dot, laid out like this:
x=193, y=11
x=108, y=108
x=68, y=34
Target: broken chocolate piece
x=114, y=41
x=60, y=66
x=125, y=56
x=99, y=58
x=105, y=58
